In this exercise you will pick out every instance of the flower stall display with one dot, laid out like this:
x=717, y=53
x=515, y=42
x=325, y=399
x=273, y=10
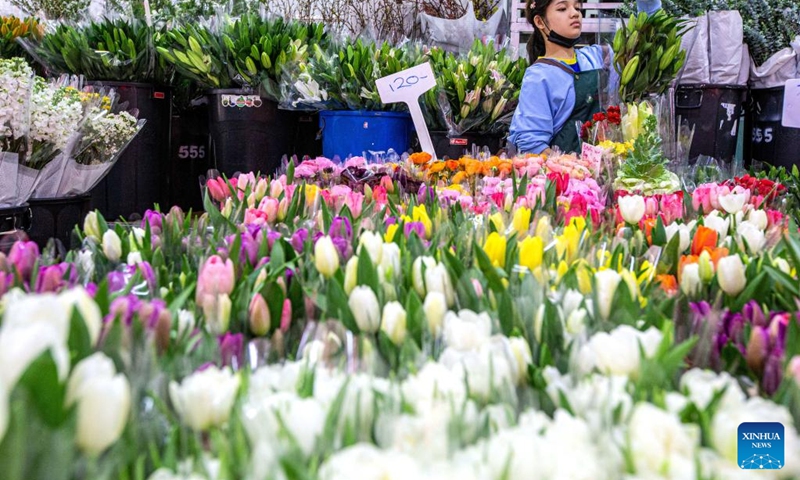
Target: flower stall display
x=17, y=86
x=12, y=28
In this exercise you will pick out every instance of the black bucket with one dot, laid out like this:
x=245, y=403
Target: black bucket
x=456, y=147
x=57, y=218
x=305, y=134
x=138, y=180
x=715, y=112
x=190, y=157
x=767, y=140
x=248, y=132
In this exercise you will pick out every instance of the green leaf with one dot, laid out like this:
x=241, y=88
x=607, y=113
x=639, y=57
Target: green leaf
x=79, y=341
x=47, y=393
x=337, y=300
x=660, y=233
x=415, y=317
x=367, y=274
x=492, y=277
x=506, y=313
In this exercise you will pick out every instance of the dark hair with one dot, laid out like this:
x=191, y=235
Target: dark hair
x=536, y=46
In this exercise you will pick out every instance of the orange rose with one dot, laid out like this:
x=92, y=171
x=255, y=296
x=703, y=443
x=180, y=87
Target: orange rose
x=452, y=165
x=436, y=167
x=420, y=158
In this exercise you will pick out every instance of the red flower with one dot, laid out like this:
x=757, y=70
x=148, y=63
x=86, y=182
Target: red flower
x=599, y=117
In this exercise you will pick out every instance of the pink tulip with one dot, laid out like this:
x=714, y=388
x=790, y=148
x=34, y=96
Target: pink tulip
x=276, y=188
x=387, y=184
x=50, y=279
x=254, y=216
x=216, y=277
x=258, y=315
x=23, y=256
x=355, y=203
x=269, y=206
x=286, y=315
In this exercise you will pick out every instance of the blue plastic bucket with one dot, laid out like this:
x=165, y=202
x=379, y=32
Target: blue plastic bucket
x=349, y=132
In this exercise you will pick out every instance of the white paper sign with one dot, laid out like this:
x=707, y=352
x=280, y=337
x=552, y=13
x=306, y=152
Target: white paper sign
x=791, y=104
x=406, y=87
x=593, y=155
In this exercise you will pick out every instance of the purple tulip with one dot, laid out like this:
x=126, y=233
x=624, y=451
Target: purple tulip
x=50, y=278
x=231, y=350
x=422, y=194
x=154, y=219
x=414, y=227
x=6, y=280
x=757, y=349
x=298, y=240
x=773, y=372
x=341, y=228
x=754, y=314
x=23, y=256
x=344, y=247
x=123, y=308
x=273, y=237
x=116, y=281
x=150, y=312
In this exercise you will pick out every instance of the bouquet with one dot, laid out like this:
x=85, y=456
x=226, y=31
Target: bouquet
x=645, y=168
x=12, y=28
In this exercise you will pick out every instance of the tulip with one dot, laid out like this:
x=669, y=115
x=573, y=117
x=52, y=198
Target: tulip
x=420, y=214
x=606, y=282
x=704, y=238
x=435, y=308
x=215, y=277
x=495, y=248
x=544, y=229
x=632, y=208
x=91, y=226
x=496, y=219
x=683, y=232
x=531, y=251
x=351, y=274
x=522, y=220
x=153, y=218
x=103, y=401
x=50, y=279
x=367, y=312
x=373, y=243
x=355, y=203
x=731, y=275
x=217, y=312
x=205, y=399
x=705, y=267
x=112, y=246
x=414, y=227
x=227, y=209
x=286, y=315
x=522, y=357
x=259, y=316
x=393, y=323
x=758, y=218
x=757, y=349
x=231, y=350
x=734, y=202
x=417, y=275
x=690, y=279
x=23, y=256
x=269, y=206
x=390, y=261
x=752, y=236
x=715, y=222
x=437, y=279
x=792, y=371
x=275, y=188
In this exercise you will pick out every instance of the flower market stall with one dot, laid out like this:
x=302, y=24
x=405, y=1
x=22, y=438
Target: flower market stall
x=620, y=312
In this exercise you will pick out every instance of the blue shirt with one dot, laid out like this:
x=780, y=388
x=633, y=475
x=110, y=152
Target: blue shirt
x=547, y=97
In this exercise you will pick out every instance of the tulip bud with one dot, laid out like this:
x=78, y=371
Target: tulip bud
x=522, y=220
x=91, y=226
x=217, y=312
x=112, y=246
x=522, y=356
x=435, y=308
x=227, y=209
x=261, y=189
x=757, y=349
x=544, y=230
x=23, y=256
x=782, y=265
x=417, y=277
x=205, y=398
x=275, y=188
x=437, y=279
x=215, y=277
x=733, y=202
x=632, y=208
x=393, y=323
x=531, y=253
x=705, y=267
x=731, y=275
x=753, y=236
x=759, y=219
x=373, y=243
x=283, y=209
x=351, y=274
x=606, y=282
x=269, y=206
x=390, y=261
x=364, y=304
x=690, y=279
x=103, y=401
x=259, y=316
x=495, y=248
x=286, y=315
x=326, y=257
x=497, y=220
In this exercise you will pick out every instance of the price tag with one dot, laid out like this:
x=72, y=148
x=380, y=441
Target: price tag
x=406, y=87
x=593, y=155
x=791, y=104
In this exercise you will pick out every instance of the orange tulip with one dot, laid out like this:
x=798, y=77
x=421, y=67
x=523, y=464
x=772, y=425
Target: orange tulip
x=668, y=283
x=649, y=224
x=704, y=238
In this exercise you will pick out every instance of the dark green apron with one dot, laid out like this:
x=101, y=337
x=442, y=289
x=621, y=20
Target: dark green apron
x=587, y=103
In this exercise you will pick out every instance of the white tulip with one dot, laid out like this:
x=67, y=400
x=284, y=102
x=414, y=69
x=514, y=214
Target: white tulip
x=79, y=299
x=204, y=399
x=390, y=261
x=112, y=246
x=715, y=222
x=618, y=352
x=758, y=218
x=435, y=308
x=366, y=461
x=417, y=276
x=326, y=257
x=367, y=312
x=438, y=280
x=467, y=330
x=186, y=322
x=684, y=232
x=46, y=308
x=701, y=386
x=690, y=279
x=660, y=444
x=91, y=226
x=753, y=236
x=731, y=275
x=20, y=346
x=393, y=323
x=103, y=401
x=522, y=356
x=632, y=208
x=134, y=258
x=606, y=282
x=733, y=202
x=782, y=265
x=268, y=419
x=217, y=314
x=373, y=243
x=351, y=274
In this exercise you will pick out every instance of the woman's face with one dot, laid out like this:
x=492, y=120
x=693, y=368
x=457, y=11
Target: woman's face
x=564, y=17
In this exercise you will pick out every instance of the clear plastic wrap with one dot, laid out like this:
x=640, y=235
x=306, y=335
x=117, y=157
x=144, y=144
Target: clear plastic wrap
x=16, y=85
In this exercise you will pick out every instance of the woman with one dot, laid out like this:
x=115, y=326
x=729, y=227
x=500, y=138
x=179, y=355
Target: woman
x=561, y=87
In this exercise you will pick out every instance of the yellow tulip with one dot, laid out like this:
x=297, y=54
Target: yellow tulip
x=311, y=194
x=531, y=251
x=544, y=230
x=495, y=248
x=567, y=243
x=522, y=220
x=420, y=214
x=497, y=220
x=388, y=237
